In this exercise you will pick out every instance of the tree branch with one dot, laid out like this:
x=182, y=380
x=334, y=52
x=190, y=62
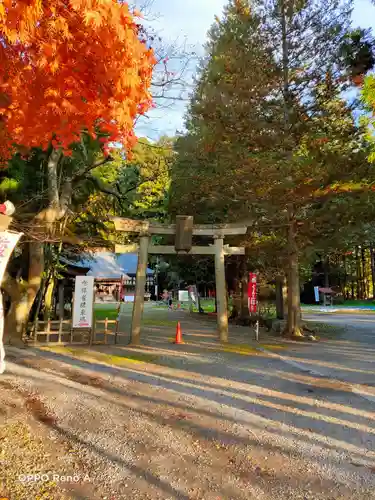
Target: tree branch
x=67, y=188
x=81, y=173
x=104, y=188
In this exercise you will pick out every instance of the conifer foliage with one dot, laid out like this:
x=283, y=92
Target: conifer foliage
x=269, y=138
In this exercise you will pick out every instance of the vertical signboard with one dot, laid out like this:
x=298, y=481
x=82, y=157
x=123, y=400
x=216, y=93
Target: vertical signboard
x=252, y=293
x=183, y=296
x=83, y=302
x=316, y=293
x=8, y=241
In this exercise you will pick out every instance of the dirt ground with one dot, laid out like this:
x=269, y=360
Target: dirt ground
x=196, y=421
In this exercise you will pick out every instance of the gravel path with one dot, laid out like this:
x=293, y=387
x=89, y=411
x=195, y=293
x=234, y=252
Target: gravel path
x=195, y=423
x=347, y=353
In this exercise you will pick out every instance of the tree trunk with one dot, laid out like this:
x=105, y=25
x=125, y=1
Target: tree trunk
x=285, y=63
x=52, y=179
x=294, y=304
x=280, y=312
x=236, y=299
x=244, y=297
x=14, y=320
x=245, y=314
x=16, y=323
x=36, y=271
x=23, y=299
x=48, y=299
x=364, y=273
x=47, y=218
x=38, y=306
x=240, y=304
x=359, y=277
x=344, y=281
x=326, y=272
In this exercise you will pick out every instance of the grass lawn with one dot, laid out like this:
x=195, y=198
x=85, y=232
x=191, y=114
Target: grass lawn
x=93, y=356
x=358, y=303
x=107, y=311
x=110, y=311
x=348, y=304
x=208, y=305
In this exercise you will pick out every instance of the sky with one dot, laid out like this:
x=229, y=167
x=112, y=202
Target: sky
x=185, y=23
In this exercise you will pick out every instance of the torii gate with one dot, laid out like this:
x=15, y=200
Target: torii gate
x=183, y=231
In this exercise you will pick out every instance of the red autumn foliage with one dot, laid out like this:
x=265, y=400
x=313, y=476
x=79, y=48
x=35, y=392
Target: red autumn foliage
x=358, y=80
x=68, y=66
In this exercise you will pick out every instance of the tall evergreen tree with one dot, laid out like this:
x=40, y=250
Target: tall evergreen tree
x=231, y=115
x=269, y=138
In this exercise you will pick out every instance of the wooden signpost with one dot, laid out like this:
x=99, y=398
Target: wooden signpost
x=183, y=230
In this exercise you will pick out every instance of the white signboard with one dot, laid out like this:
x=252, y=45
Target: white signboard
x=83, y=302
x=316, y=292
x=183, y=296
x=8, y=241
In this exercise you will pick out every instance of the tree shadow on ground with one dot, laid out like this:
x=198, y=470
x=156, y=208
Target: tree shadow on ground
x=141, y=404
x=345, y=424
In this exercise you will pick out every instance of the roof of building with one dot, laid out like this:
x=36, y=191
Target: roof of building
x=72, y=268
x=111, y=265
x=326, y=290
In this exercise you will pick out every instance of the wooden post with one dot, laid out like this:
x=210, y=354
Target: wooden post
x=48, y=330
x=92, y=334
x=116, y=329
x=105, y=330
x=60, y=330
x=139, y=290
x=221, y=293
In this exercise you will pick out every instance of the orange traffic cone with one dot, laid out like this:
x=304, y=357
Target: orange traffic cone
x=178, y=334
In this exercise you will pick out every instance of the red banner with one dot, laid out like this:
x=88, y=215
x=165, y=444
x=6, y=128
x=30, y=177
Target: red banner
x=252, y=293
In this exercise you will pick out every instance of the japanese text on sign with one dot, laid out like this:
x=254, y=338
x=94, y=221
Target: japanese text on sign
x=8, y=241
x=83, y=302
x=252, y=293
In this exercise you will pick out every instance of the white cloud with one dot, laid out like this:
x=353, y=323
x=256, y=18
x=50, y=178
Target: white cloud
x=188, y=18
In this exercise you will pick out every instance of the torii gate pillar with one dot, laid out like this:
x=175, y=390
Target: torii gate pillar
x=140, y=285
x=221, y=292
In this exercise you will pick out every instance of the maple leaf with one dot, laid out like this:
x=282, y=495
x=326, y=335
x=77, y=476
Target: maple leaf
x=67, y=66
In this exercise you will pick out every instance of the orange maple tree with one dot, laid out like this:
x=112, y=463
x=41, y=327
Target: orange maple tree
x=68, y=66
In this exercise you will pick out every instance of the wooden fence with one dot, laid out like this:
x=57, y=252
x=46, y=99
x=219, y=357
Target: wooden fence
x=61, y=332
